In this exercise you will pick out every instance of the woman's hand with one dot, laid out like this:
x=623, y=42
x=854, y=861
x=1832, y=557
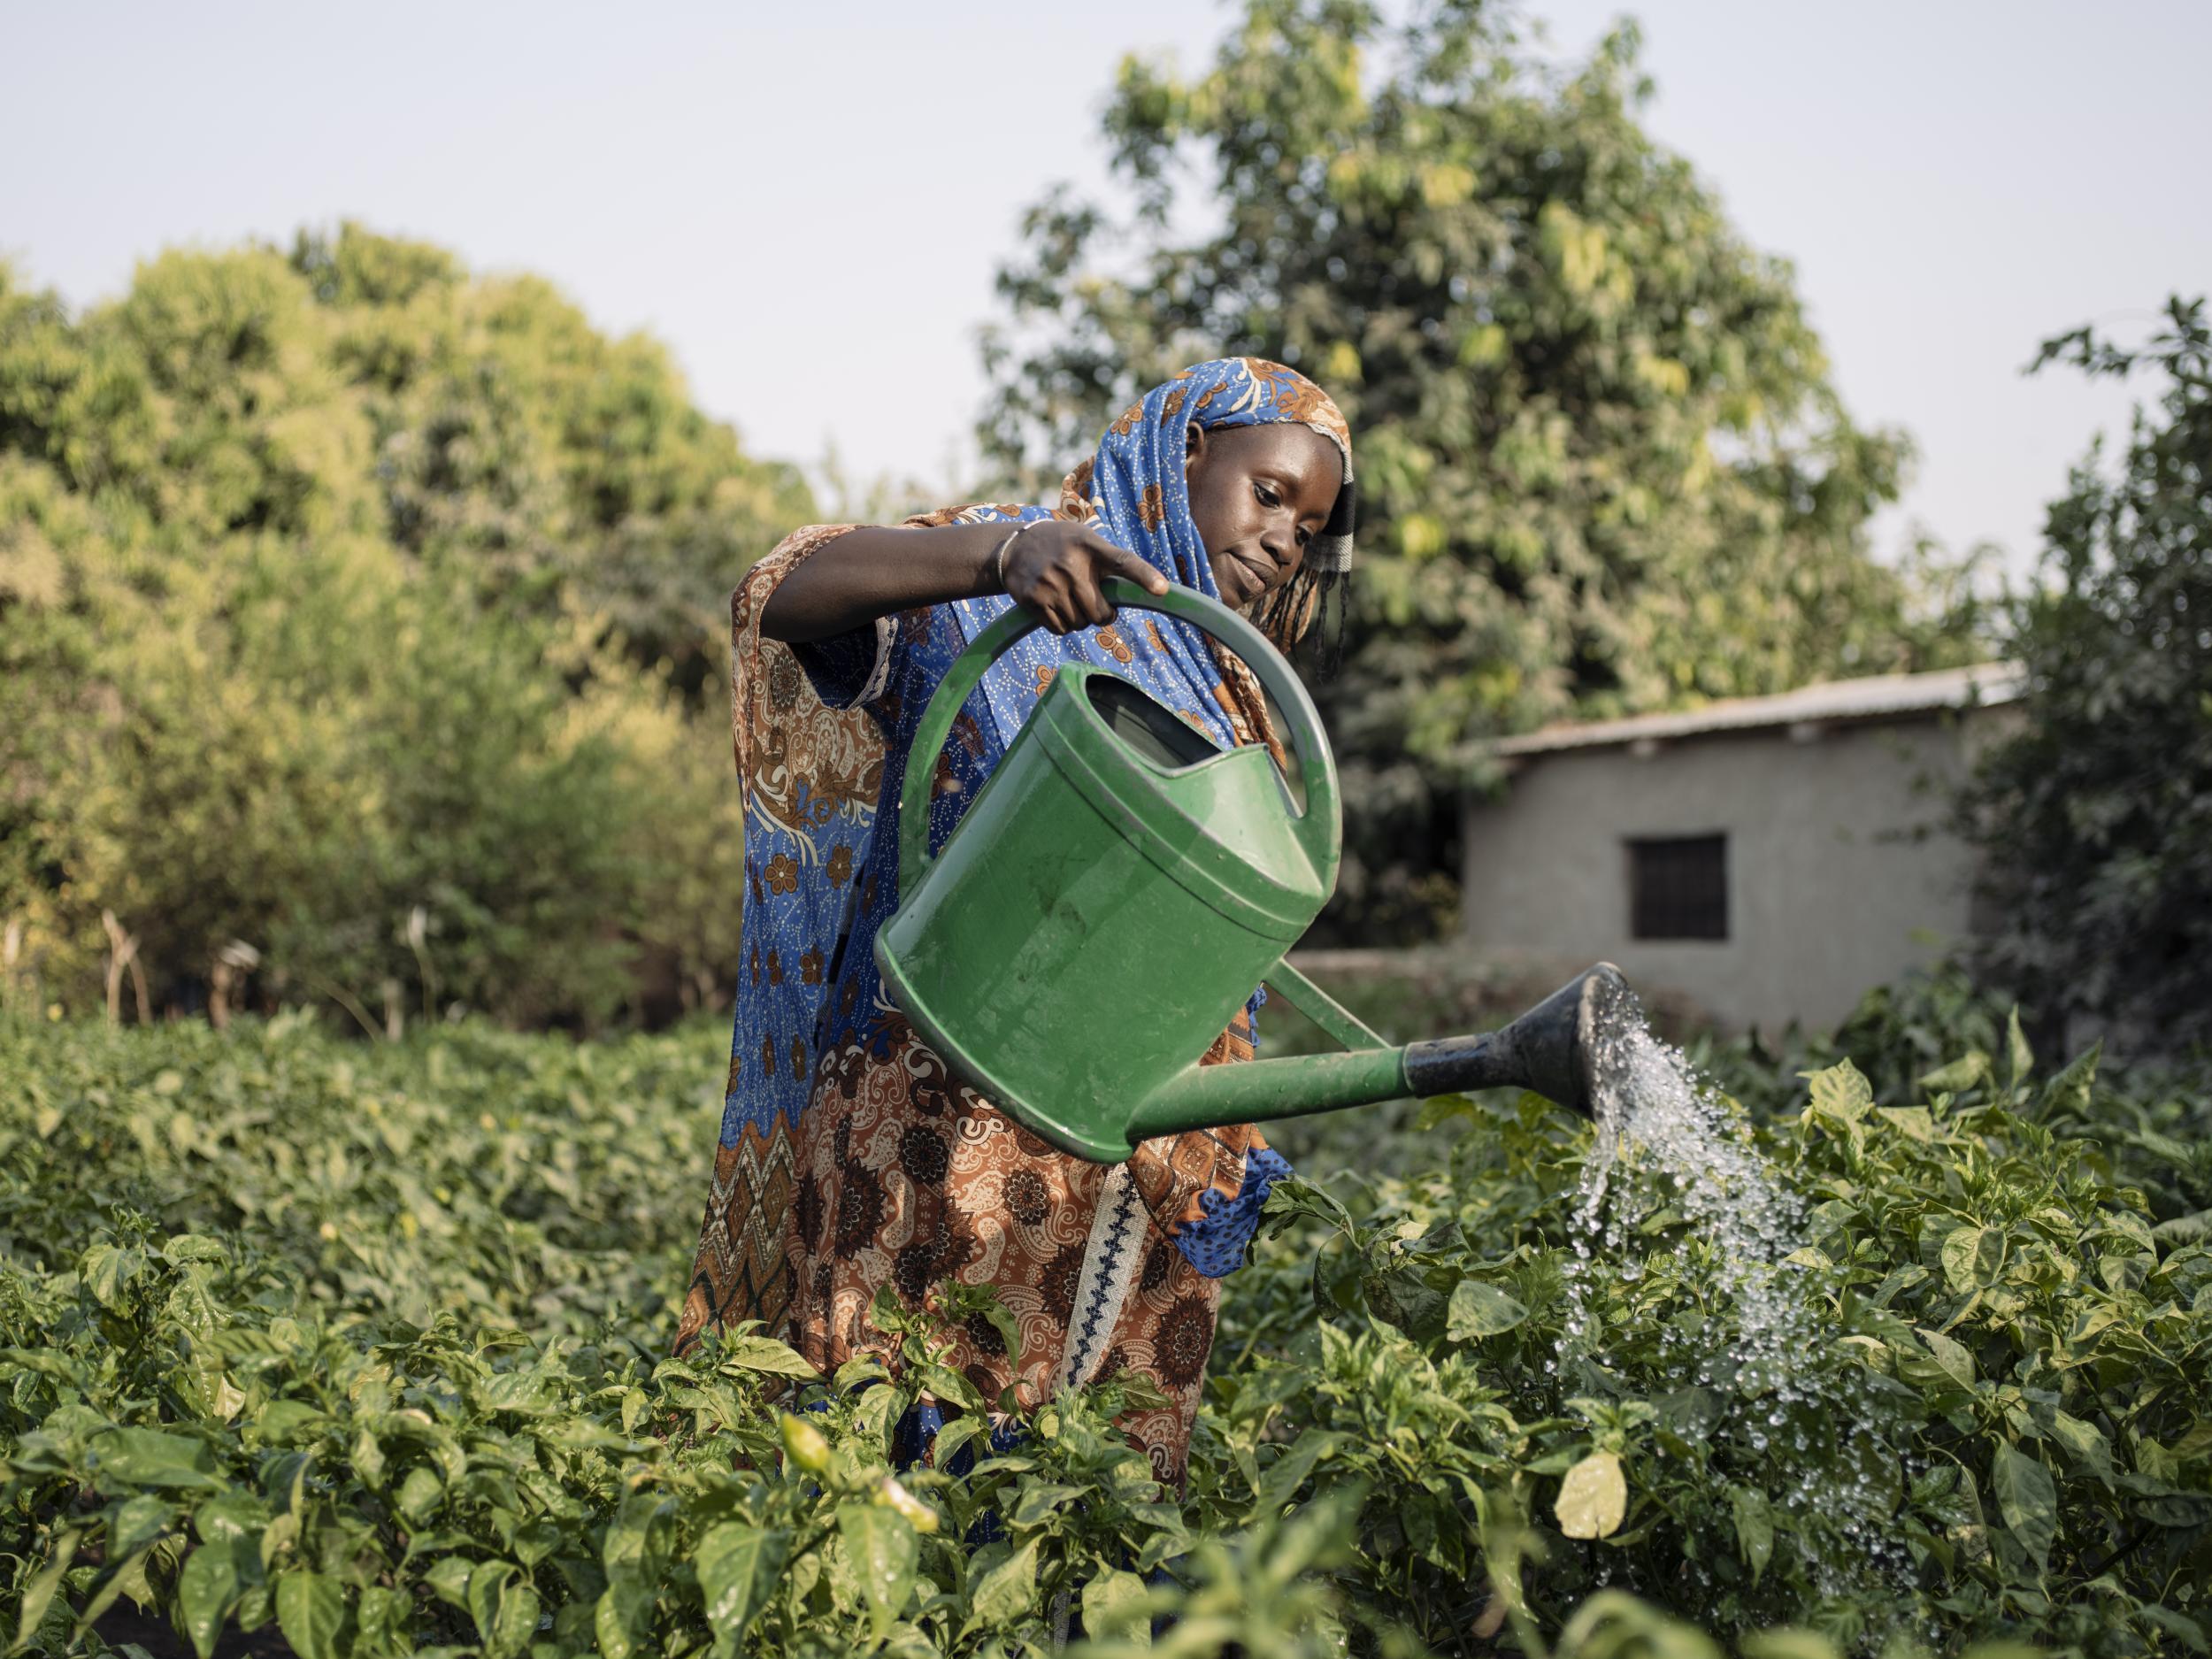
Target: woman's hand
x=1055, y=566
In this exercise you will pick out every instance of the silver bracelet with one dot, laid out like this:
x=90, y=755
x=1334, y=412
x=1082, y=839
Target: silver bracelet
x=998, y=559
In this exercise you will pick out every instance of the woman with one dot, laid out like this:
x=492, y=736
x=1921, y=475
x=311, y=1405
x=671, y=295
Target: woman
x=849, y=1159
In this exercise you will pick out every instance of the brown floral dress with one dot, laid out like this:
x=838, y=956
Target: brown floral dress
x=850, y=1158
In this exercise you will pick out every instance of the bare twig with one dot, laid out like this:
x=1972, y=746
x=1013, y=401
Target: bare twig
x=121, y=949
x=359, y=1013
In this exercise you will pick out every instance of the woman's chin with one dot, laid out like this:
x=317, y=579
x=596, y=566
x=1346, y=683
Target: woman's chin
x=1239, y=584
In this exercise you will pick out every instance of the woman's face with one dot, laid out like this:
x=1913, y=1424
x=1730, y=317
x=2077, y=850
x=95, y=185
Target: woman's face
x=1258, y=495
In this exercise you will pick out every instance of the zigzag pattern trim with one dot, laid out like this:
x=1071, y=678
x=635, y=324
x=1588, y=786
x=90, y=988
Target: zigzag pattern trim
x=1109, y=1269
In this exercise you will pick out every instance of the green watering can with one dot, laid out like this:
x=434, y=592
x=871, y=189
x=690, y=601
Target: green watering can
x=1120, y=884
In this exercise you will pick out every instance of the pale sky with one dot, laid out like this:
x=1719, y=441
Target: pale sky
x=809, y=212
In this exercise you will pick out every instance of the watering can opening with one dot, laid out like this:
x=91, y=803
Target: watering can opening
x=1112, y=897
x=1146, y=726
x=1151, y=729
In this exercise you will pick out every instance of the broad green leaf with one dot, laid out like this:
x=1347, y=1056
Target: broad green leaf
x=1593, y=1498
x=40, y=1596
x=616, y=1618
x=883, y=1550
x=1038, y=1501
x=148, y=1457
x=2195, y=1228
x=1280, y=1485
x=107, y=1269
x=1840, y=1092
x=1912, y=1122
x=128, y=1578
x=2190, y=1631
x=138, y=1523
x=948, y=1385
x=1973, y=1257
x=2196, y=1443
x=420, y=1493
x=310, y=1611
x=1009, y=1333
x=513, y=1391
x=1006, y=1593
x=485, y=1582
x=952, y=1436
x=2123, y=1273
x=207, y=1589
x=1115, y=1608
x=1480, y=1309
x=2028, y=1499
x=1754, y=1528
x=514, y=1622
x=1956, y=1077
x=2071, y=1089
x=764, y=1355
x=2084, y=1443
x=738, y=1566
x=368, y=1460
x=447, y=1578
x=1950, y=1354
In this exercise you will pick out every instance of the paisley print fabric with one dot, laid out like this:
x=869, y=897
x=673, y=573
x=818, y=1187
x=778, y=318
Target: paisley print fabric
x=850, y=1157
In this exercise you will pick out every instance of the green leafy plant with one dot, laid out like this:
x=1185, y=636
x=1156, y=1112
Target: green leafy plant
x=366, y=1347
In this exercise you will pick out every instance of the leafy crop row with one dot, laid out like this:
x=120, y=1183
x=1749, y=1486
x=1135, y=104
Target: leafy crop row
x=367, y=1345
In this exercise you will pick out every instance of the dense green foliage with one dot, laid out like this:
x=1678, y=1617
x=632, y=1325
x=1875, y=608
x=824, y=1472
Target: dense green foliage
x=339, y=587
x=368, y=1342
x=2097, y=816
x=1602, y=468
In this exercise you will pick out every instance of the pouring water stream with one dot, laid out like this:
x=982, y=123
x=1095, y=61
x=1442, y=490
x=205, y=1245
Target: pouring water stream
x=1667, y=1142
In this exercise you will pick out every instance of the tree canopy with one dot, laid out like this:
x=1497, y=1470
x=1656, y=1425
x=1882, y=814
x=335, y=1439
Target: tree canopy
x=2095, y=816
x=353, y=612
x=1603, y=466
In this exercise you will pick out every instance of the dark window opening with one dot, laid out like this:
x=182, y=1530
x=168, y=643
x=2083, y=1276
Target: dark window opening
x=1679, y=888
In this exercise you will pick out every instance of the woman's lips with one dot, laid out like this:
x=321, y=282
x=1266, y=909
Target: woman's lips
x=1257, y=571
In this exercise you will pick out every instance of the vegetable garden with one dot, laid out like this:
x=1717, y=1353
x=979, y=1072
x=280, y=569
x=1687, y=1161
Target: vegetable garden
x=364, y=1346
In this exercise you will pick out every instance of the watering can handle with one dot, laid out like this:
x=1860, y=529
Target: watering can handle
x=1320, y=826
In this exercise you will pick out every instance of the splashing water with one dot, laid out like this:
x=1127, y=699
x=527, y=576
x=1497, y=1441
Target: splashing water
x=1739, y=1356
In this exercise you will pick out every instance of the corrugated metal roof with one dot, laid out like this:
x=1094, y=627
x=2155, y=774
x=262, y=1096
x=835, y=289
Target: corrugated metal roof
x=1875, y=697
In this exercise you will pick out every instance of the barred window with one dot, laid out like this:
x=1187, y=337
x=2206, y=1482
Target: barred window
x=1679, y=888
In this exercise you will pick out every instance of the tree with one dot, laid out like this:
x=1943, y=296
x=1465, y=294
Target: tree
x=371, y=614
x=2095, y=816
x=1602, y=466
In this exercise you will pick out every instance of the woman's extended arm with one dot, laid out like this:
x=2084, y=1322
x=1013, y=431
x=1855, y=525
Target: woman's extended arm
x=1054, y=569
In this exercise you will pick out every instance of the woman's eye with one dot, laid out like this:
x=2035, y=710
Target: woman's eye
x=1268, y=497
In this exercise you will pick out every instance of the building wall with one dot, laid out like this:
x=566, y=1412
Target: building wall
x=1840, y=875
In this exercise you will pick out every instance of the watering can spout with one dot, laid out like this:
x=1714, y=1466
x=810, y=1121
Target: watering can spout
x=1556, y=1048
x=1553, y=1049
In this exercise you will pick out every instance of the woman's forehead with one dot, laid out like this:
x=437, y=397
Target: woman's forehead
x=1280, y=441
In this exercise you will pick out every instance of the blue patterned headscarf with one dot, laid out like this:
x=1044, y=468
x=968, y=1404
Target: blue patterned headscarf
x=1138, y=495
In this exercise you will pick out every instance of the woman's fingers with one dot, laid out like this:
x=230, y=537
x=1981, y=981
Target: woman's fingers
x=1106, y=559
x=1119, y=561
x=1059, y=576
